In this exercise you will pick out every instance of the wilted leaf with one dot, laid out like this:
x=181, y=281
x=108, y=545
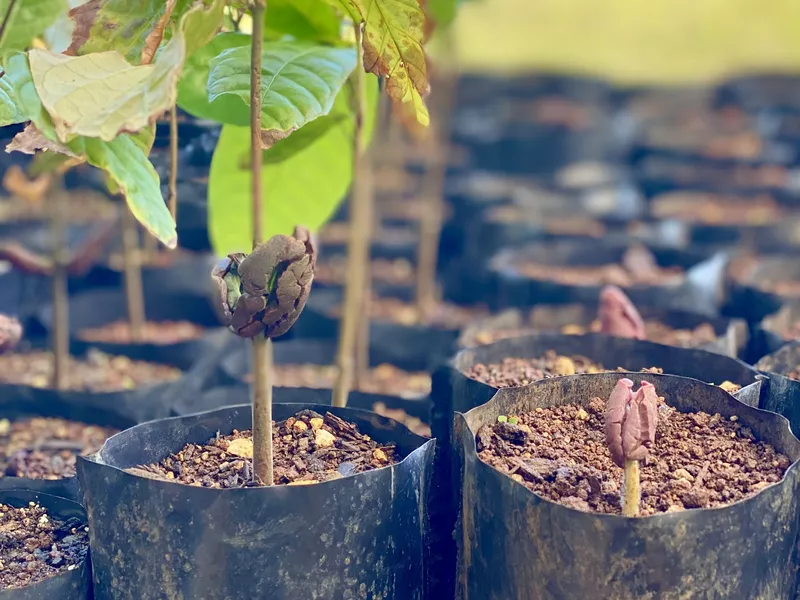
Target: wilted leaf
x=299, y=83
x=291, y=196
x=30, y=19
x=30, y=140
x=101, y=95
x=201, y=23
x=153, y=39
x=126, y=163
x=310, y=20
x=394, y=31
x=193, y=85
x=58, y=36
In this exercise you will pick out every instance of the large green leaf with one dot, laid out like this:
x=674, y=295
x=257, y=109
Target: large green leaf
x=311, y=20
x=18, y=87
x=193, y=85
x=30, y=19
x=304, y=189
x=394, y=31
x=125, y=161
x=443, y=12
x=299, y=83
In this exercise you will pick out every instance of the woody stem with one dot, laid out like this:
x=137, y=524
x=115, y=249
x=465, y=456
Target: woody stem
x=631, y=489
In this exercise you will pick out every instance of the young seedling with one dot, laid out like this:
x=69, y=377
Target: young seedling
x=630, y=424
x=618, y=315
x=261, y=295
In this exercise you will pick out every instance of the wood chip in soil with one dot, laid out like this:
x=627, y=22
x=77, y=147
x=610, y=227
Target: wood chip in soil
x=35, y=546
x=47, y=447
x=307, y=448
x=697, y=461
x=98, y=372
x=383, y=379
x=516, y=372
x=159, y=333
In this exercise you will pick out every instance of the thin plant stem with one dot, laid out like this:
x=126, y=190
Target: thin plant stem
x=358, y=241
x=433, y=196
x=60, y=334
x=132, y=265
x=173, y=162
x=631, y=489
x=262, y=347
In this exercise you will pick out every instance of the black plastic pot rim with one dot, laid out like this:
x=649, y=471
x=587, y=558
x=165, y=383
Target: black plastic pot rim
x=667, y=516
x=275, y=489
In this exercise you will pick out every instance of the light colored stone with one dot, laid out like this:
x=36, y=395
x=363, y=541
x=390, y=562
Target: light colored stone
x=582, y=415
x=316, y=423
x=324, y=439
x=683, y=474
x=564, y=366
x=299, y=426
x=379, y=455
x=241, y=447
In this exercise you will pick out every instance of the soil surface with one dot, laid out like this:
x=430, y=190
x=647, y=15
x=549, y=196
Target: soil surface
x=308, y=448
x=384, y=379
x=159, y=333
x=443, y=315
x=34, y=546
x=98, y=372
x=638, y=267
x=398, y=271
x=47, y=447
x=414, y=424
x=697, y=461
x=516, y=372
x=711, y=209
x=655, y=332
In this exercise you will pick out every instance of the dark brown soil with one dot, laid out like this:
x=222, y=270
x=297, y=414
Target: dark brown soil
x=399, y=271
x=383, y=379
x=638, y=267
x=516, y=372
x=413, y=423
x=160, y=333
x=308, y=448
x=443, y=315
x=98, y=372
x=698, y=460
x=34, y=546
x=655, y=332
x=47, y=447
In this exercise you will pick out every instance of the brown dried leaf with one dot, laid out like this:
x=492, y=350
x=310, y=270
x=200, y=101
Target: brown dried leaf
x=84, y=17
x=20, y=185
x=30, y=140
x=153, y=39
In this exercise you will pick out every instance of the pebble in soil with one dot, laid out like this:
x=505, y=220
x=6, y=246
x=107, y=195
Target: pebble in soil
x=160, y=333
x=383, y=379
x=516, y=372
x=35, y=546
x=47, y=447
x=655, y=331
x=307, y=448
x=637, y=267
x=698, y=460
x=98, y=372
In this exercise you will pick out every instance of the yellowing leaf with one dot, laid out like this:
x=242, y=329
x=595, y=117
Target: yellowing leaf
x=290, y=195
x=299, y=83
x=101, y=95
x=394, y=31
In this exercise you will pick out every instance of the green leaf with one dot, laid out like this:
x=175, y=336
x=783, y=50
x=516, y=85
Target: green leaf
x=299, y=83
x=443, y=12
x=394, y=31
x=292, y=196
x=121, y=25
x=30, y=19
x=101, y=95
x=193, y=85
x=125, y=161
x=311, y=20
x=18, y=87
x=58, y=36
